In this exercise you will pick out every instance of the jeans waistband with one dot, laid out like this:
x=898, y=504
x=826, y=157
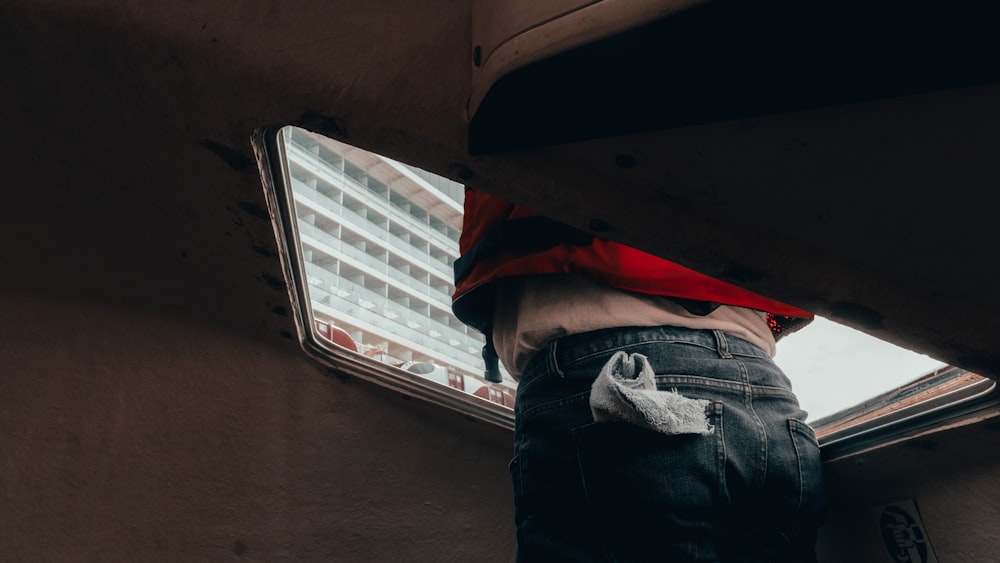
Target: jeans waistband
x=567, y=350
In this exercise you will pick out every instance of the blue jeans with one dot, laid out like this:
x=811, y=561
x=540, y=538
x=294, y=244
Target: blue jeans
x=610, y=491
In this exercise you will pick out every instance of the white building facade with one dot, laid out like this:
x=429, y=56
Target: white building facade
x=379, y=241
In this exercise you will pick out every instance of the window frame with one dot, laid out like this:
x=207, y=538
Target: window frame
x=945, y=398
x=272, y=163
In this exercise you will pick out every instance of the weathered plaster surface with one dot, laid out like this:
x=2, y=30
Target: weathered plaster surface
x=951, y=476
x=131, y=436
x=153, y=403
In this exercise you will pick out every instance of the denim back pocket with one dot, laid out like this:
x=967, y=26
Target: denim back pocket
x=641, y=484
x=810, y=467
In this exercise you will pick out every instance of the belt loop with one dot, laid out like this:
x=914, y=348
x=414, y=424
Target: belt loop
x=552, y=359
x=722, y=345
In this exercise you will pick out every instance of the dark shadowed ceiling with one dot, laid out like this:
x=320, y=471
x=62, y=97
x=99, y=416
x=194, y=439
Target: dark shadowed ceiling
x=869, y=197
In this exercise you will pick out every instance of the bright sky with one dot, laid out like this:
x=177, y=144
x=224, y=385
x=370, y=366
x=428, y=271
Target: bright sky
x=833, y=367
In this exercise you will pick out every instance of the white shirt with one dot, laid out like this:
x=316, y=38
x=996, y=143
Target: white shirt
x=533, y=311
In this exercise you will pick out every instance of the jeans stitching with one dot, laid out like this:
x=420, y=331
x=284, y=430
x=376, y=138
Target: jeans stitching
x=722, y=345
x=798, y=462
x=758, y=424
x=803, y=429
x=694, y=380
x=722, y=455
x=611, y=348
x=553, y=359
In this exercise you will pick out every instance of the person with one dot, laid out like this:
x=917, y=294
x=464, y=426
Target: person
x=651, y=423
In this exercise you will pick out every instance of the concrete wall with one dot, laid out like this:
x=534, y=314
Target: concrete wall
x=130, y=436
x=952, y=478
x=154, y=404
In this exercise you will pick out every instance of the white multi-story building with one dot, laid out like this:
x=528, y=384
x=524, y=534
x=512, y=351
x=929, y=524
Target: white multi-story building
x=379, y=241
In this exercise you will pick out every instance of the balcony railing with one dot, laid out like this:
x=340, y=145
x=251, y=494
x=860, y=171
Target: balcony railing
x=336, y=177
x=394, y=312
x=360, y=304
x=377, y=268
x=371, y=231
x=336, y=308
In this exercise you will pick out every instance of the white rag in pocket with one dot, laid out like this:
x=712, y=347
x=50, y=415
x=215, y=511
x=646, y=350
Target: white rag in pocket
x=626, y=390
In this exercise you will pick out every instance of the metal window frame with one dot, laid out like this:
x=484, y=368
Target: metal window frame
x=945, y=398
x=272, y=164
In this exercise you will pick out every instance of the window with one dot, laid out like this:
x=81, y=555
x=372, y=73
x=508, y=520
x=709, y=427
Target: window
x=862, y=392
x=833, y=367
x=371, y=243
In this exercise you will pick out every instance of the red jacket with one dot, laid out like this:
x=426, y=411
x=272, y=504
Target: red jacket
x=500, y=239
